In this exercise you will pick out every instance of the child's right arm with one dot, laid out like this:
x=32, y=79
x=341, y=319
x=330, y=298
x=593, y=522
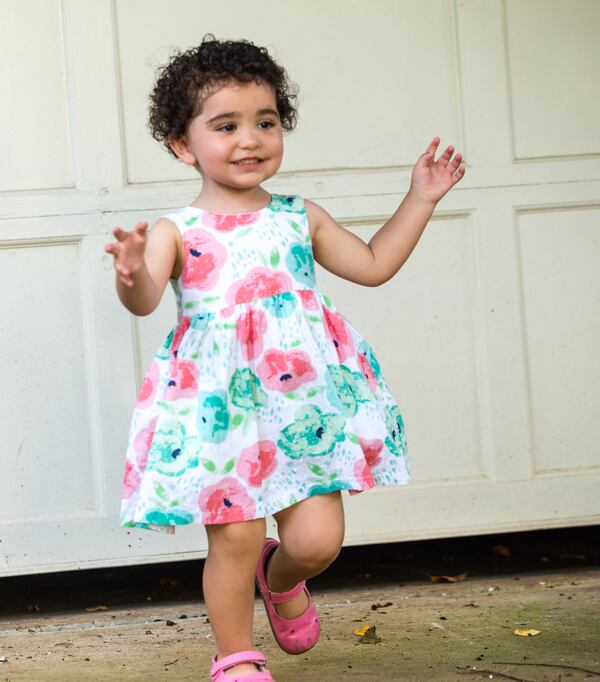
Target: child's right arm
x=144, y=263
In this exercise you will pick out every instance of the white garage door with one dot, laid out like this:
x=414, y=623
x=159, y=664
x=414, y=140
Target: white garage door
x=487, y=335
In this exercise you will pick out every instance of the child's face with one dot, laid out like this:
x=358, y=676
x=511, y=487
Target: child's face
x=236, y=142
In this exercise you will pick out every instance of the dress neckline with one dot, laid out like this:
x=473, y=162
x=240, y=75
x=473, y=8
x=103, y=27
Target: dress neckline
x=260, y=210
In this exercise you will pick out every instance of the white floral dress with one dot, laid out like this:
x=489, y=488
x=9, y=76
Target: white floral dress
x=263, y=394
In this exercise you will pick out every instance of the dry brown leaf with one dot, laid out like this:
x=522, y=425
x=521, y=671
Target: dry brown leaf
x=526, y=633
x=360, y=632
x=502, y=550
x=449, y=578
x=100, y=607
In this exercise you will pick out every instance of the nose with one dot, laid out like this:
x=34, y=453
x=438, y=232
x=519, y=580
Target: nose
x=249, y=138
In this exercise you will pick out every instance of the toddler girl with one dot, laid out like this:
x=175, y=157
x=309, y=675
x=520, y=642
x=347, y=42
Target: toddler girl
x=264, y=399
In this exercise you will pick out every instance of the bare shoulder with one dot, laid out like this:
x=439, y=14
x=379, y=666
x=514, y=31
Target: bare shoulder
x=164, y=239
x=317, y=217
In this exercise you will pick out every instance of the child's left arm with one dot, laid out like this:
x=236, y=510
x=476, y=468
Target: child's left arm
x=346, y=255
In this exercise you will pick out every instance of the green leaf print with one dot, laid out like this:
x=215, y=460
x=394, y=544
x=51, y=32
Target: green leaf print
x=316, y=469
x=167, y=407
x=291, y=395
x=210, y=299
x=160, y=491
x=192, y=220
x=237, y=420
x=353, y=437
x=228, y=325
x=215, y=347
x=333, y=476
x=274, y=257
x=315, y=391
x=208, y=464
x=174, y=503
x=327, y=301
x=242, y=233
x=186, y=410
x=296, y=227
x=263, y=258
x=190, y=304
x=229, y=466
x=295, y=343
x=314, y=318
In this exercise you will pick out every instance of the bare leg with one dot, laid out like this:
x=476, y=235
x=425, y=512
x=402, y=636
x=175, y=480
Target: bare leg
x=311, y=534
x=228, y=584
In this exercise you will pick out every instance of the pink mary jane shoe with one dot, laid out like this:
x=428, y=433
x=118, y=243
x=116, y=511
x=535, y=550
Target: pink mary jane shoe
x=295, y=635
x=218, y=668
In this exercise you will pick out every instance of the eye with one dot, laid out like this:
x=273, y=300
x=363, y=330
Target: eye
x=227, y=128
x=265, y=125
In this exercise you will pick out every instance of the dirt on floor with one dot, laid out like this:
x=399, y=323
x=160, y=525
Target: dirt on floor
x=429, y=631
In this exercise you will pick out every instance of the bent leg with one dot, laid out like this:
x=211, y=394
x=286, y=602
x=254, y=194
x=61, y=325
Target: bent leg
x=311, y=534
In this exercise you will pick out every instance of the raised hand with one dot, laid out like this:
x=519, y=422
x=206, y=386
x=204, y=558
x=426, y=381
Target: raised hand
x=431, y=179
x=128, y=251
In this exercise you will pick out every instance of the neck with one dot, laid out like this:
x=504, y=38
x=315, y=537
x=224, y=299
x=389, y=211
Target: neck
x=228, y=200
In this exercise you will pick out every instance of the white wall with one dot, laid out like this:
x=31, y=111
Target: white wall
x=487, y=335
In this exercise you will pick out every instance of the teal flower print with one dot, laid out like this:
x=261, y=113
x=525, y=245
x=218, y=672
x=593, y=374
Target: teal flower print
x=165, y=350
x=175, y=517
x=280, y=305
x=396, y=440
x=312, y=433
x=301, y=265
x=200, y=320
x=284, y=202
x=345, y=389
x=339, y=390
x=367, y=351
x=212, y=416
x=171, y=452
x=323, y=488
x=245, y=390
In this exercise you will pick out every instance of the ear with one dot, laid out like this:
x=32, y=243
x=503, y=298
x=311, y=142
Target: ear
x=181, y=149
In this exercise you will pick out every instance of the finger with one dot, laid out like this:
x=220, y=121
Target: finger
x=458, y=175
x=120, y=234
x=455, y=162
x=446, y=156
x=433, y=145
x=141, y=228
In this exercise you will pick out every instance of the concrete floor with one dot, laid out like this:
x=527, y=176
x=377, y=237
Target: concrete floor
x=443, y=631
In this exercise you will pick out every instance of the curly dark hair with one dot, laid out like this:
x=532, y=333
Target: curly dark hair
x=177, y=94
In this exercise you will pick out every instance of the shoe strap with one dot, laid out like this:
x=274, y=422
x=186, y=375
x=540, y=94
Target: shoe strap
x=280, y=597
x=236, y=659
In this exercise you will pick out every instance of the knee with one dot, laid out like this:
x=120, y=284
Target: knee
x=241, y=538
x=314, y=551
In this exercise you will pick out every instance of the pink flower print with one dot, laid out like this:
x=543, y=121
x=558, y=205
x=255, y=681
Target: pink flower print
x=371, y=450
x=285, y=371
x=142, y=442
x=183, y=380
x=149, y=386
x=131, y=481
x=178, y=335
x=250, y=328
x=204, y=257
x=363, y=474
x=257, y=462
x=227, y=223
x=367, y=371
x=226, y=502
x=258, y=283
x=339, y=334
x=309, y=299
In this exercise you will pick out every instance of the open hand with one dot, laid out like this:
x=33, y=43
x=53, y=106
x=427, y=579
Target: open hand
x=128, y=251
x=432, y=179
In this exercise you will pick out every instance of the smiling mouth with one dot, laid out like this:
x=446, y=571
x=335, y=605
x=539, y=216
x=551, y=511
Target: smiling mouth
x=248, y=162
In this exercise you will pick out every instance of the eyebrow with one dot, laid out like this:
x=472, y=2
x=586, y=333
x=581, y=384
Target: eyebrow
x=236, y=114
